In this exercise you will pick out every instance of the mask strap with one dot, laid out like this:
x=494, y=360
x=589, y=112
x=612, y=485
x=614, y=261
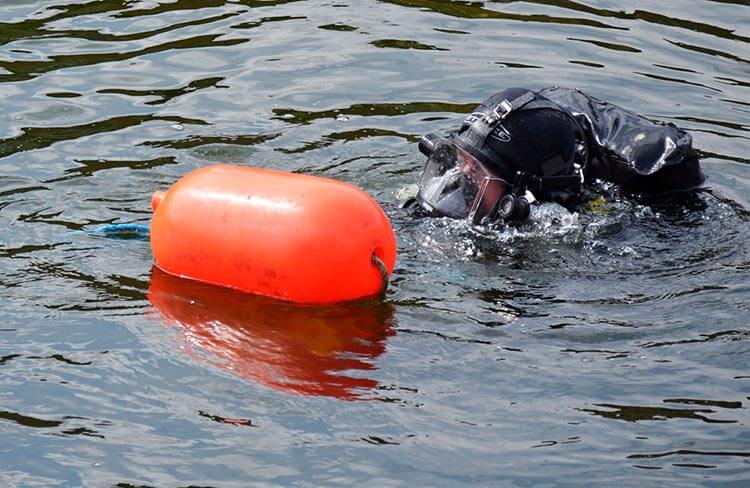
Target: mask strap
x=477, y=126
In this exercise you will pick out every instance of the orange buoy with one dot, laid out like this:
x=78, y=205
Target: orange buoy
x=294, y=237
x=300, y=349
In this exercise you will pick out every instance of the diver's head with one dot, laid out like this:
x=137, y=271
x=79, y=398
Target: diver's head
x=514, y=142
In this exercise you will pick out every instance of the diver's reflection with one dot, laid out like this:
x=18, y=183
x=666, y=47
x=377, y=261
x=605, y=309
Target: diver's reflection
x=298, y=349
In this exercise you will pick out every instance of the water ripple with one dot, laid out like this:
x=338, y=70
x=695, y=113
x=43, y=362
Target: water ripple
x=605, y=345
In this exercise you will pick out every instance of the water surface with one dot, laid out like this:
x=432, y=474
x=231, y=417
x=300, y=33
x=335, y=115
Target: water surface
x=605, y=348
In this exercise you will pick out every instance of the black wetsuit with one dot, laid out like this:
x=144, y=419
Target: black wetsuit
x=628, y=149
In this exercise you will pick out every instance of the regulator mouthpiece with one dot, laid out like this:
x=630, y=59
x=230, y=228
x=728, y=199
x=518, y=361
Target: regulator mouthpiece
x=513, y=208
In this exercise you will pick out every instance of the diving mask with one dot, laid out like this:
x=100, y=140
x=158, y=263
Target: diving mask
x=456, y=184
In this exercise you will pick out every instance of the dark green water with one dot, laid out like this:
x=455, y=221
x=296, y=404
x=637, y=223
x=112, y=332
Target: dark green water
x=609, y=348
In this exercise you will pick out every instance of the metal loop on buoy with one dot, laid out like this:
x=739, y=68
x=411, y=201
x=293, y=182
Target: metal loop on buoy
x=383, y=273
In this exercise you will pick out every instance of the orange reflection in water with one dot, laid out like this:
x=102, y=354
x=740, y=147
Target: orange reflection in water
x=298, y=349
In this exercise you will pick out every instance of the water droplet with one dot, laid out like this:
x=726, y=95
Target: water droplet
x=178, y=127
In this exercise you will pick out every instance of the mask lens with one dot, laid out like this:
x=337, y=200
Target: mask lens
x=454, y=183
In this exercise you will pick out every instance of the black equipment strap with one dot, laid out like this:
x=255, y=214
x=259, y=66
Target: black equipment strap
x=561, y=182
x=478, y=126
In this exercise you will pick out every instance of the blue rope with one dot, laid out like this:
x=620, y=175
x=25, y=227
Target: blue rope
x=120, y=231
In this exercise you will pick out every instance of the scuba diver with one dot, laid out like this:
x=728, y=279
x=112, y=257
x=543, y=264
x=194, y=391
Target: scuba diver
x=521, y=146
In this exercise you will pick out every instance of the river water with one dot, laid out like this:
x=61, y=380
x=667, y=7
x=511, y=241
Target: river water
x=605, y=348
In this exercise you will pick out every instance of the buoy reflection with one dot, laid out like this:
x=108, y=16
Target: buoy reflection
x=298, y=349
